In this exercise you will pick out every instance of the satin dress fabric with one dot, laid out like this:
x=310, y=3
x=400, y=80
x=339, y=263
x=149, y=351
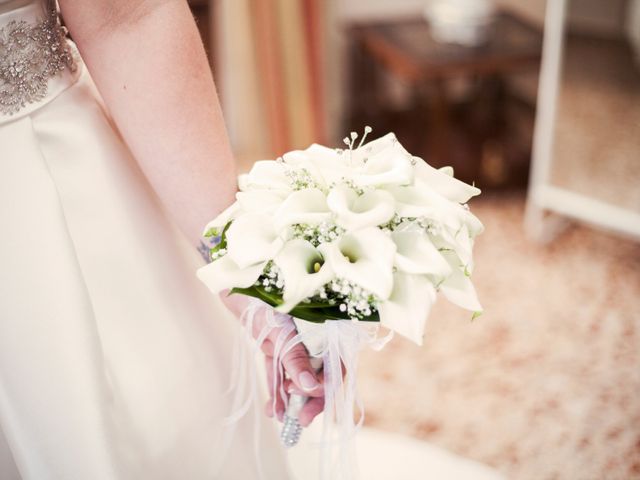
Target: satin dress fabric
x=114, y=358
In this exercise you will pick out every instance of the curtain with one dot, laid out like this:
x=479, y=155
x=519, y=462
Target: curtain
x=273, y=71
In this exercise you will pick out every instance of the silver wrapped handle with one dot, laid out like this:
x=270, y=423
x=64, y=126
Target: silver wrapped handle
x=291, y=428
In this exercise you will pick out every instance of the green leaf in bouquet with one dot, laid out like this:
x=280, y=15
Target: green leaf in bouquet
x=222, y=244
x=321, y=312
x=315, y=315
x=271, y=298
x=212, y=232
x=312, y=312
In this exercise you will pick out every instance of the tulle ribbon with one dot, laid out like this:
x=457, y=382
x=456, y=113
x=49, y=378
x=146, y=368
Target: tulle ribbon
x=337, y=343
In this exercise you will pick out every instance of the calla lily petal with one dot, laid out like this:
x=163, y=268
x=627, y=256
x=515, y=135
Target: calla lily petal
x=323, y=164
x=416, y=201
x=308, y=206
x=474, y=225
x=458, y=288
x=225, y=217
x=464, y=245
x=224, y=273
x=386, y=143
x=412, y=202
x=320, y=153
x=326, y=164
x=460, y=241
x=260, y=201
x=386, y=169
x=443, y=182
x=252, y=238
x=266, y=174
x=364, y=257
x=416, y=254
x=296, y=262
x=353, y=211
x=407, y=309
x=382, y=161
x=446, y=170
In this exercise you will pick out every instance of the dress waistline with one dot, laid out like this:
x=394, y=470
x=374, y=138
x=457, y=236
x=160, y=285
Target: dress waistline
x=37, y=61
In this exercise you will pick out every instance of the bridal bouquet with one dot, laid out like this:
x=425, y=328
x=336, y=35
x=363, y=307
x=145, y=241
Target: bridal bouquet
x=345, y=241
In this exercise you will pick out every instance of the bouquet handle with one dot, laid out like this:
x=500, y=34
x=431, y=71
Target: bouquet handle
x=291, y=428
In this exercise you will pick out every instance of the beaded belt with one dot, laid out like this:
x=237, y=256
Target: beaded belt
x=31, y=53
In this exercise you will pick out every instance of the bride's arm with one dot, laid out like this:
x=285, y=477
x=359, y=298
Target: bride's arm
x=148, y=62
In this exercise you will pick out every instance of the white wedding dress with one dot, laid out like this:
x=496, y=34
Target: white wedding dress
x=114, y=358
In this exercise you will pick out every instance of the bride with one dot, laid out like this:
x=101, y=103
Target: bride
x=114, y=359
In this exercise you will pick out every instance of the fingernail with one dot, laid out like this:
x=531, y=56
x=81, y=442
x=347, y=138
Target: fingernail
x=307, y=381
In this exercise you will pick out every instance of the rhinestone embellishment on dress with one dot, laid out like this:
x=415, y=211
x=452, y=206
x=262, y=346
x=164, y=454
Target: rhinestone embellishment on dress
x=30, y=54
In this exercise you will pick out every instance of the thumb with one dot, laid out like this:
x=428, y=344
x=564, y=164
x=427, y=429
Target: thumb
x=296, y=363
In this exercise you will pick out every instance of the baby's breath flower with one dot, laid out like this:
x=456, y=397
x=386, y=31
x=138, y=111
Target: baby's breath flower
x=271, y=278
x=325, y=232
x=350, y=298
x=392, y=224
x=349, y=183
x=301, y=179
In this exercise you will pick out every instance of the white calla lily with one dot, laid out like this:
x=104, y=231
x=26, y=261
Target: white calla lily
x=391, y=166
x=416, y=254
x=225, y=217
x=260, y=200
x=266, y=174
x=448, y=170
x=458, y=289
x=319, y=153
x=224, y=273
x=308, y=206
x=364, y=257
x=386, y=143
x=353, y=211
x=253, y=238
x=415, y=201
x=303, y=270
x=407, y=309
x=474, y=225
x=462, y=244
x=324, y=164
x=411, y=202
x=460, y=241
x=443, y=182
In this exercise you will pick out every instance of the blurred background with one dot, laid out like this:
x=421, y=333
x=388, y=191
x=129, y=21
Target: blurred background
x=538, y=104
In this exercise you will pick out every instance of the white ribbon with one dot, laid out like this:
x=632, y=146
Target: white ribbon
x=244, y=379
x=337, y=343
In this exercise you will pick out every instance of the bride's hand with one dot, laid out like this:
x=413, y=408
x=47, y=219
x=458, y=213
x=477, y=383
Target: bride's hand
x=302, y=378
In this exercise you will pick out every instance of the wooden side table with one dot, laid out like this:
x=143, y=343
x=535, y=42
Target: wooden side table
x=406, y=50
